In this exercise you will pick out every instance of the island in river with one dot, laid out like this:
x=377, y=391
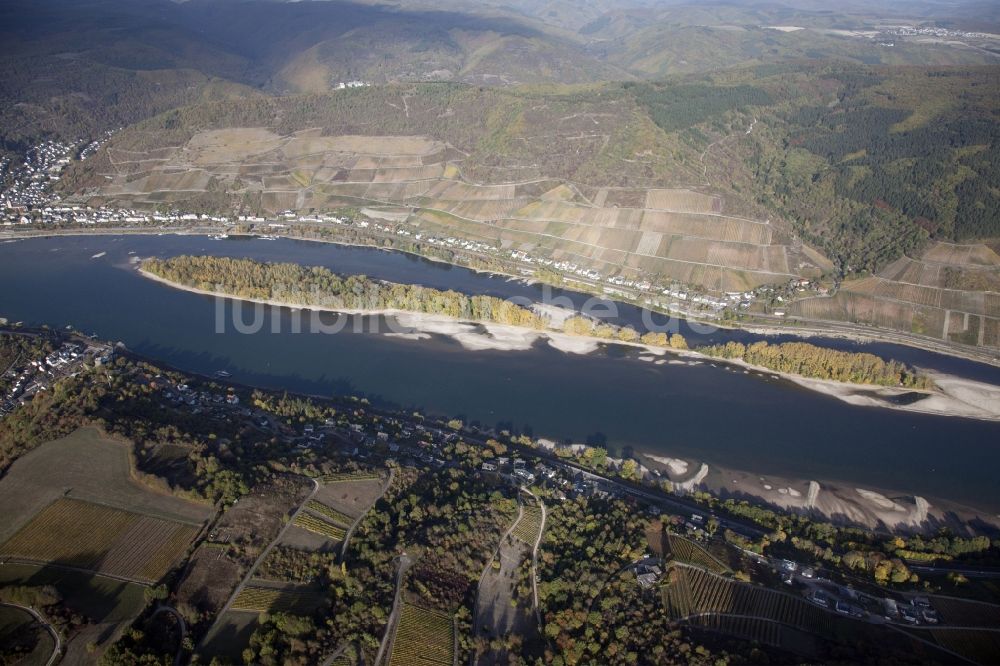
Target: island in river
x=856, y=377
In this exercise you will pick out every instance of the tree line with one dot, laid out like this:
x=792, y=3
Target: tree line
x=319, y=287
x=801, y=358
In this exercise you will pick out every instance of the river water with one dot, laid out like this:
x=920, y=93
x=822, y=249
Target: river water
x=752, y=421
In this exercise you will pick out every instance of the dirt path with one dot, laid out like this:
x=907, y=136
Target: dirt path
x=56, y=638
x=263, y=556
x=357, y=521
x=534, y=560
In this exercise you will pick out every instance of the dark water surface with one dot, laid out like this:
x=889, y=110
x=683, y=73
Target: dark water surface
x=723, y=416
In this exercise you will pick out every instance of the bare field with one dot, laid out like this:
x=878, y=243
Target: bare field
x=352, y=498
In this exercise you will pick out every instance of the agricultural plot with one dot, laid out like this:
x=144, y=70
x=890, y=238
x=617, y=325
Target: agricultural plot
x=317, y=525
x=687, y=551
x=94, y=469
x=950, y=293
x=965, y=613
x=528, y=527
x=330, y=513
x=683, y=201
x=347, y=476
x=978, y=646
x=109, y=604
x=748, y=628
x=103, y=539
x=23, y=639
x=277, y=600
x=350, y=497
x=692, y=591
x=423, y=637
x=306, y=170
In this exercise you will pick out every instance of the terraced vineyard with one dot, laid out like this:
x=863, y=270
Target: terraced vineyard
x=755, y=629
x=347, y=476
x=273, y=600
x=979, y=646
x=963, y=613
x=423, y=637
x=527, y=203
x=685, y=550
x=692, y=591
x=103, y=539
x=317, y=525
x=951, y=293
x=531, y=522
x=329, y=512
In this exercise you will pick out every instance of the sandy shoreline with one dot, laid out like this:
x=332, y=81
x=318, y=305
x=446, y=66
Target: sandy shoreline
x=839, y=502
x=954, y=396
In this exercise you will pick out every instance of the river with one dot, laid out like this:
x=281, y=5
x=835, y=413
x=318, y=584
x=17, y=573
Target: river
x=751, y=421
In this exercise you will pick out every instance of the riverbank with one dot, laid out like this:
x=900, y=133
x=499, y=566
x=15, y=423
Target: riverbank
x=954, y=396
x=835, y=501
x=792, y=327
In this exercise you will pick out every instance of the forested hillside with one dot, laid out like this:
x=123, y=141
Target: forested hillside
x=866, y=163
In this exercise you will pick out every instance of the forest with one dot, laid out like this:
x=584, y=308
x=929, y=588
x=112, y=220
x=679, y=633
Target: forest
x=801, y=358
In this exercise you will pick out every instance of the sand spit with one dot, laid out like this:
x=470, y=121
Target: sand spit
x=953, y=396
x=675, y=466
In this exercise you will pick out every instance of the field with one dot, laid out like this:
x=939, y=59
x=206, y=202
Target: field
x=330, y=513
x=687, y=551
x=103, y=539
x=423, y=637
x=109, y=604
x=317, y=525
x=85, y=466
x=347, y=476
x=275, y=600
x=951, y=293
x=962, y=613
x=753, y=629
x=350, y=496
x=981, y=647
x=216, y=567
x=692, y=591
x=531, y=522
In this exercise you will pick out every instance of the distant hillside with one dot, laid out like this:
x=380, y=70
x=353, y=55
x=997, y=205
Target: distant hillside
x=864, y=164
x=75, y=69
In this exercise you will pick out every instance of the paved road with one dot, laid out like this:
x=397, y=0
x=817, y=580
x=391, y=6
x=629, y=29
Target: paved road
x=57, y=649
x=180, y=622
